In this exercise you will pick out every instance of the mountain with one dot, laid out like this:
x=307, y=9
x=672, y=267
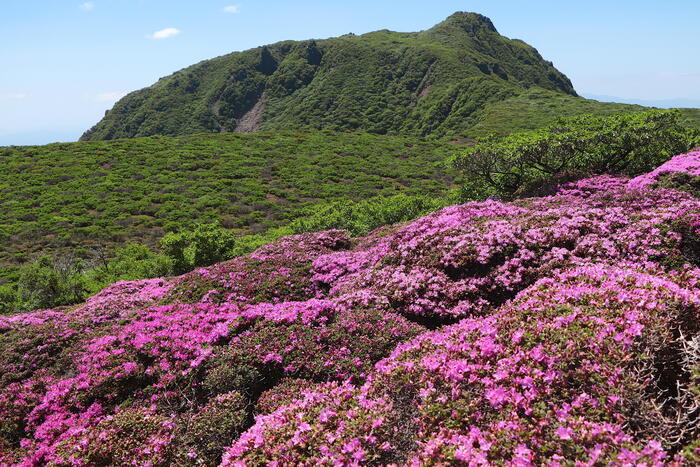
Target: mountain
x=429, y=82
x=546, y=331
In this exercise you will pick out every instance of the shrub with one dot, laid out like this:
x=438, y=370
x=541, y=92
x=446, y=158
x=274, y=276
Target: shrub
x=572, y=370
x=131, y=262
x=359, y=218
x=47, y=282
x=209, y=431
x=8, y=298
x=284, y=393
x=620, y=144
x=133, y=436
x=205, y=245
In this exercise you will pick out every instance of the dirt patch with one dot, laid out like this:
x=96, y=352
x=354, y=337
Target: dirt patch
x=251, y=120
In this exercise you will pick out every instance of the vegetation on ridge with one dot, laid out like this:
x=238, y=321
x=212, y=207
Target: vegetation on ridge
x=533, y=163
x=432, y=82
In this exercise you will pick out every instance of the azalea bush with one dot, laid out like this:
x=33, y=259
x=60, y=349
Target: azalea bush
x=552, y=330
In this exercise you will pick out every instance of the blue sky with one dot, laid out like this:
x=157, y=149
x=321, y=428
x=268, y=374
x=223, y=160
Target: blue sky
x=64, y=62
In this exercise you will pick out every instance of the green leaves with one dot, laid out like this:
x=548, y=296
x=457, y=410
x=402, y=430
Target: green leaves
x=205, y=245
x=620, y=144
x=362, y=217
x=47, y=282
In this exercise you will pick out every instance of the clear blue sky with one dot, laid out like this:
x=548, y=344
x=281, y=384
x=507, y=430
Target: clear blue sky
x=64, y=62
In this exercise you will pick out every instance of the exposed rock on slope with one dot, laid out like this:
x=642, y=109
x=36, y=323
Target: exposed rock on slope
x=547, y=330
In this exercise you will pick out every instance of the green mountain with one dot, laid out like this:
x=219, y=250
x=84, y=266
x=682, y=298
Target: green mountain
x=435, y=82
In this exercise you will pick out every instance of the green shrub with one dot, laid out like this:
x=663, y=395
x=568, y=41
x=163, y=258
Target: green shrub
x=362, y=217
x=47, y=282
x=131, y=262
x=205, y=245
x=8, y=296
x=620, y=144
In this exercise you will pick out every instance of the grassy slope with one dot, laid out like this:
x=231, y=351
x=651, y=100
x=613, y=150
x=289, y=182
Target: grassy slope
x=537, y=108
x=80, y=195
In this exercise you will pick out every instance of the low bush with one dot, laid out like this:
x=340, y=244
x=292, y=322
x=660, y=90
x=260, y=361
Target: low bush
x=586, y=145
x=205, y=245
x=362, y=217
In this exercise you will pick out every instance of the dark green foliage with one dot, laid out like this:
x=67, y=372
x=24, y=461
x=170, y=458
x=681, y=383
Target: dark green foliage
x=46, y=283
x=430, y=82
x=210, y=430
x=362, y=217
x=523, y=163
x=205, y=245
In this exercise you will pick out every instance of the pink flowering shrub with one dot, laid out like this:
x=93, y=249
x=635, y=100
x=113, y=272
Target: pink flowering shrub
x=334, y=424
x=284, y=393
x=276, y=272
x=129, y=437
x=549, y=330
x=688, y=164
x=314, y=340
x=464, y=260
x=551, y=376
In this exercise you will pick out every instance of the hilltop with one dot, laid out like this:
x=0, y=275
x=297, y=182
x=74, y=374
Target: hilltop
x=546, y=330
x=433, y=82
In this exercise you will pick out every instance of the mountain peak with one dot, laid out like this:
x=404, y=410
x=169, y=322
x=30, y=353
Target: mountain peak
x=469, y=21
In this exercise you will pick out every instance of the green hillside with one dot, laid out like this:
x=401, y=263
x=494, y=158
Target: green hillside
x=430, y=82
x=536, y=108
x=80, y=196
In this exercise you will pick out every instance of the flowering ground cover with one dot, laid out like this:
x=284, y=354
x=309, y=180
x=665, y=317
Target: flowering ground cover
x=549, y=330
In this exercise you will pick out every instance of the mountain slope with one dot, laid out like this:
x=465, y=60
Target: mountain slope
x=80, y=196
x=554, y=330
x=429, y=82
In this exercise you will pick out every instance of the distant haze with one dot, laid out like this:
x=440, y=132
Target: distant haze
x=660, y=103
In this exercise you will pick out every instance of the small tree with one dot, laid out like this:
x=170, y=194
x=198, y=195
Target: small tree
x=619, y=144
x=131, y=262
x=46, y=283
x=205, y=245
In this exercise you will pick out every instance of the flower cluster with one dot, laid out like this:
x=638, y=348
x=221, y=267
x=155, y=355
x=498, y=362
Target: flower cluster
x=276, y=272
x=549, y=330
x=683, y=163
x=464, y=260
x=549, y=377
